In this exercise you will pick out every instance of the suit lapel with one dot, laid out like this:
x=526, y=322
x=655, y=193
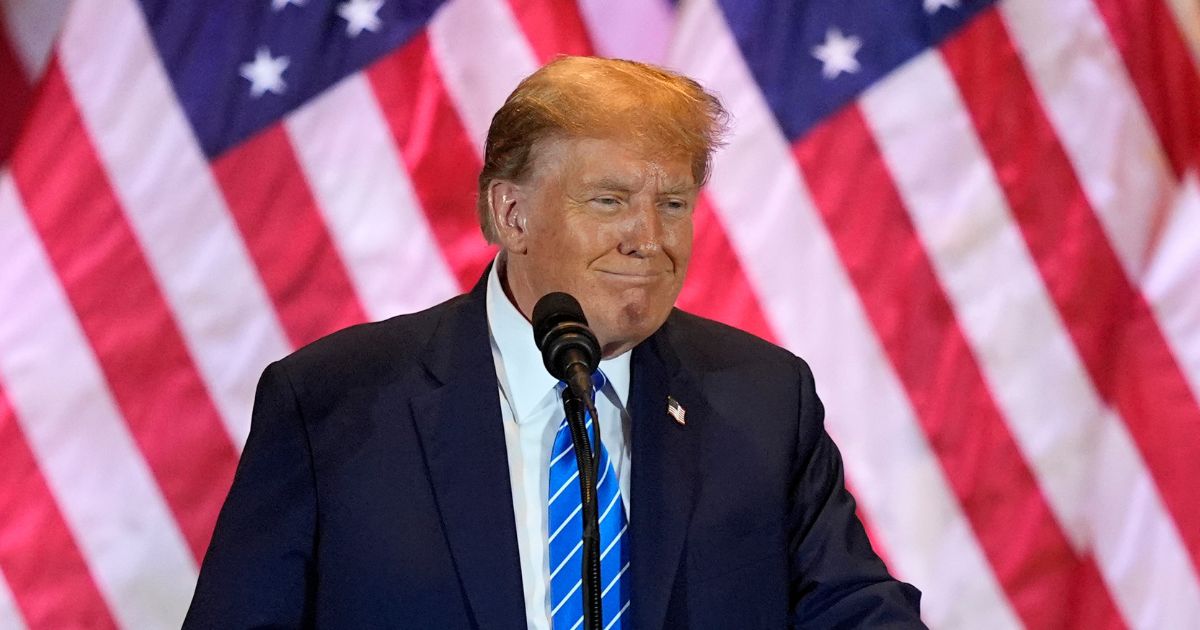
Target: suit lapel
x=664, y=456
x=461, y=432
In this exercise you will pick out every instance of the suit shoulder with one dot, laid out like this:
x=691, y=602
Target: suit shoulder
x=720, y=345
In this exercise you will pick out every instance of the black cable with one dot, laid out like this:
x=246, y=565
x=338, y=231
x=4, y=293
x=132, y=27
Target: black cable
x=588, y=463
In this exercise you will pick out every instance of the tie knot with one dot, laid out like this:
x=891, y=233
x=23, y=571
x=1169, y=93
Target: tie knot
x=598, y=381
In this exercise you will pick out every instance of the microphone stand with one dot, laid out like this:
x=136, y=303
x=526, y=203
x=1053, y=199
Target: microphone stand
x=577, y=407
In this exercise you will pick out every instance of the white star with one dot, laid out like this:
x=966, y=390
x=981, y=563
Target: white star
x=932, y=6
x=279, y=5
x=360, y=16
x=265, y=73
x=837, y=53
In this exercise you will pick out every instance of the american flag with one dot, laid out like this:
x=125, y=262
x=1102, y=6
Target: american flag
x=978, y=220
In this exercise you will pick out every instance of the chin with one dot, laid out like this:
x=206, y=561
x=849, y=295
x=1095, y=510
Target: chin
x=630, y=326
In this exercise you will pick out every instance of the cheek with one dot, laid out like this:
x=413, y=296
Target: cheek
x=678, y=243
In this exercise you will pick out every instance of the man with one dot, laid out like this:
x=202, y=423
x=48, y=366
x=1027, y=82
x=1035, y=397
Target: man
x=413, y=472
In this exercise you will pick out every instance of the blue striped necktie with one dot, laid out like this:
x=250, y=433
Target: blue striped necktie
x=566, y=532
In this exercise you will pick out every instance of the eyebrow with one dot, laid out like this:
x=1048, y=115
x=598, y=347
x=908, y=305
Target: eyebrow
x=609, y=183
x=678, y=189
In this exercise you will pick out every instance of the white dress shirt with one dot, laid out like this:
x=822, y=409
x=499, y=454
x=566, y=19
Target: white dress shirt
x=532, y=411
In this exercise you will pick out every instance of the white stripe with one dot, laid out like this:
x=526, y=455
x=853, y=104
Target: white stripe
x=610, y=506
x=613, y=581
x=1170, y=281
x=32, y=25
x=955, y=200
x=603, y=476
x=622, y=611
x=107, y=494
x=566, y=520
x=1187, y=17
x=567, y=598
x=564, y=487
x=481, y=61
x=629, y=29
x=575, y=476
x=570, y=448
x=350, y=158
x=10, y=616
x=172, y=202
x=1112, y=145
x=766, y=208
x=578, y=546
x=621, y=533
x=578, y=622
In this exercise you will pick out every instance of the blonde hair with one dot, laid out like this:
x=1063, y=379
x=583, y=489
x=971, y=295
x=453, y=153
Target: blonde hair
x=595, y=97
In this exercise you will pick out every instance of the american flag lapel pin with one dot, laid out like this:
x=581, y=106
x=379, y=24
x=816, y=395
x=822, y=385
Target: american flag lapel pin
x=676, y=411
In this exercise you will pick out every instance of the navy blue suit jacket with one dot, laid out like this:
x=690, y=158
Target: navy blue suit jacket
x=374, y=491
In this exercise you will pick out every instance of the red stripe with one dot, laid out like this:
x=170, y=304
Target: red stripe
x=1049, y=585
x=274, y=208
x=717, y=286
x=1162, y=70
x=123, y=313
x=553, y=27
x=437, y=151
x=49, y=579
x=1112, y=325
x=17, y=91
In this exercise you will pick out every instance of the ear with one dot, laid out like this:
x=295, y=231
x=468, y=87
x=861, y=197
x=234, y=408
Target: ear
x=508, y=205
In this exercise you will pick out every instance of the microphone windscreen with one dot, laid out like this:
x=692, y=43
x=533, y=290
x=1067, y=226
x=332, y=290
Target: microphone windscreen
x=552, y=310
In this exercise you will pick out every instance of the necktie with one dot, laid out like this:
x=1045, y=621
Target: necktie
x=565, y=521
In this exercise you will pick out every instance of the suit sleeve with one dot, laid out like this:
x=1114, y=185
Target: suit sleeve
x=837, y=580
x=258, y=571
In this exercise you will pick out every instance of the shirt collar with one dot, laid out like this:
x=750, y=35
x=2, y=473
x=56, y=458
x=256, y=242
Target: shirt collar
x=526, y=382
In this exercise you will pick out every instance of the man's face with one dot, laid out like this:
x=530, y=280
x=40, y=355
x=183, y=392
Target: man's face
x=608, y=222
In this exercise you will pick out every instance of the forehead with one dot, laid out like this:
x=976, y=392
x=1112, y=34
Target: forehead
x=609, y=161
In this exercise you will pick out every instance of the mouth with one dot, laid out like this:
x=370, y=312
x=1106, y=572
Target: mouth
x=632, y=277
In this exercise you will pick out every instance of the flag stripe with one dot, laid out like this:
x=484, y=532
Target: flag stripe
x=270, y=199
x=175, y=209
x=16, y=87
x=38, y=556
x=1070, y=59
x=1129, y=185
x=10, y=618
x=367, y=200
x=82, y=444
x=478, y=78
x=1170, y=279
x=1187, y=18
x=123, y=313
x=917, y=110
x=1163, y=70
x=1110, y=322
x=717, y=286
x=553, y=27
x=807, y=297
x=31, y=26
x=437, y=152
x=896, y=282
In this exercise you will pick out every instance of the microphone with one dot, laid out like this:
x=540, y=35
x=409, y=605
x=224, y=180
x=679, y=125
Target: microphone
x=571, y=353
x=570, y=350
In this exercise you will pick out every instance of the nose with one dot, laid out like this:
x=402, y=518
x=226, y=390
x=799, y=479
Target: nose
x=642, y=232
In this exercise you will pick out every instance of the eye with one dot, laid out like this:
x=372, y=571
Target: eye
x=675, y=206
x=607, y=201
